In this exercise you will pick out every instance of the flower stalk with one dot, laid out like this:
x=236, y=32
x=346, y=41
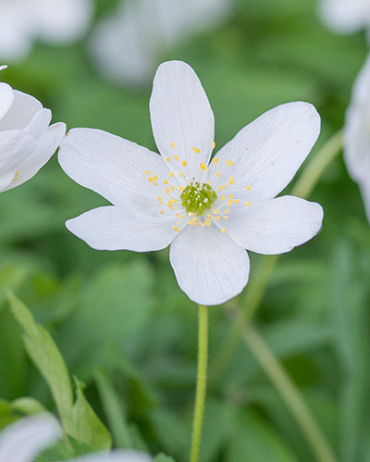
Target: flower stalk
x=201, y=383
x=290, y=395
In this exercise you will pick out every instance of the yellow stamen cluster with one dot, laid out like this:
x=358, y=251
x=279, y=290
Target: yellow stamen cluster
x=194, y=201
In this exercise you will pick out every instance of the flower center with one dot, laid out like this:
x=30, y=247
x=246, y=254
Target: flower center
x=198, y=198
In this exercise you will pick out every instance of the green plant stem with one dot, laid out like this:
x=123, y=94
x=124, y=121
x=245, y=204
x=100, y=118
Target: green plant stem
x=258, y=283
x=290, y=395
x=201, y=383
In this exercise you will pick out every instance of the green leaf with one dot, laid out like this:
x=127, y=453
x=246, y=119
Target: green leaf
x=79, y=420
x=255, y=441
x=114, y=409
x=47, y=358
x=163, y=458
x=87, y=427
x=27, y=406
x=7, y=415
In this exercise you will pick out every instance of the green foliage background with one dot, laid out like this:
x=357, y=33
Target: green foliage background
x=122, y=324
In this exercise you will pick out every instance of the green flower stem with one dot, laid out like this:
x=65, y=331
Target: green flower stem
x=258, y=284
x=201, y=383
x=290, y=395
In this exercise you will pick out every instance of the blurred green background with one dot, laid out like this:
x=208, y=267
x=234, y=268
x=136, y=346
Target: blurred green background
x=122, y=314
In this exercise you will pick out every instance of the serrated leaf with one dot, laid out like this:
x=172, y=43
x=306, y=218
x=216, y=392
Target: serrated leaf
x=87, y=427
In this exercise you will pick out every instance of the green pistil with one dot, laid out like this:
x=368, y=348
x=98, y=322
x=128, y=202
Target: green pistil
x=198, y=198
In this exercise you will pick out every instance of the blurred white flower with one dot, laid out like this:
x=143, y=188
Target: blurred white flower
x=210, y=211
x=54, y=21
x=345, y=16
x=26, y=140
x=357, y=134
x=128, y=45
x=23, y=440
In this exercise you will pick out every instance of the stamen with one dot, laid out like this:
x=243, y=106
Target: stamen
x=184, y=163
x=248, y=204
x=173, y=145
x=223, y=230
x=215, y=160
x=176, y=157
x=213, y=145
x=248, y=188
x=165, y=181
x=168, y=159
x=147, y=172
x=196, y=150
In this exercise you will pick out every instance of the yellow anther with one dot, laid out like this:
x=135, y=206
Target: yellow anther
x=147, y=172
x=218, y=218
x=248, y=204
x=179, y=216
x=218, y=174
x=191, y=214
x=222, y=198
x=182, y=174
x=226, y=211
x=165, y=181
x=168, y=159
x=184, y=163
x=248, y=188
x=210, y=215
x=216, y=211
x=173, y=145
x=223, y=230
x=231, y=180
x=230, y=203
x=176, y=157
x=229, y=163
x=220, y=188
x=203, y=225
x=155, y=178
x=173, y=200
x=215, y=160
x=172, y=175
x=16, y=176
x=181, y=188
x=196, y=150
x=237, y=201
x=169, y=205
x=175, y=228
x=226, y=218
x=230, y=196
x=150, y=179
x=203, y=166
x=162, y=211
x=166, y=190
x=172, y=188
x=213, y=144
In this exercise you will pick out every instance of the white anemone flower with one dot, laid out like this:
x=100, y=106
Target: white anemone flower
x=53, y=21
x=209, y=211
x=127, y=45
x=345, y=16
x=26, y=140
x=23, y=440
x=357, y=134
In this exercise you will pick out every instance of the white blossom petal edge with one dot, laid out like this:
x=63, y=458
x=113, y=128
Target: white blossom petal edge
x=209, y=211
x=23, y=440
x=345, y=16
x=357, y=134
x=26, y=140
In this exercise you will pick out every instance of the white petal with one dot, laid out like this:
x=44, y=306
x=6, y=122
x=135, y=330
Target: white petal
x=357, y=127
x=15, y=147
x=22, y=441
x=116, y=228
x=45, y=148
x=110, y=165
x=6, y=99
x=268, y=152
x=60, y=21
x=365, y=191
x=181, y=114
x=39, y=123
x=116, y=456
x=23, y=109
x=210, y=268
x=274, y=226
x=345, y=16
